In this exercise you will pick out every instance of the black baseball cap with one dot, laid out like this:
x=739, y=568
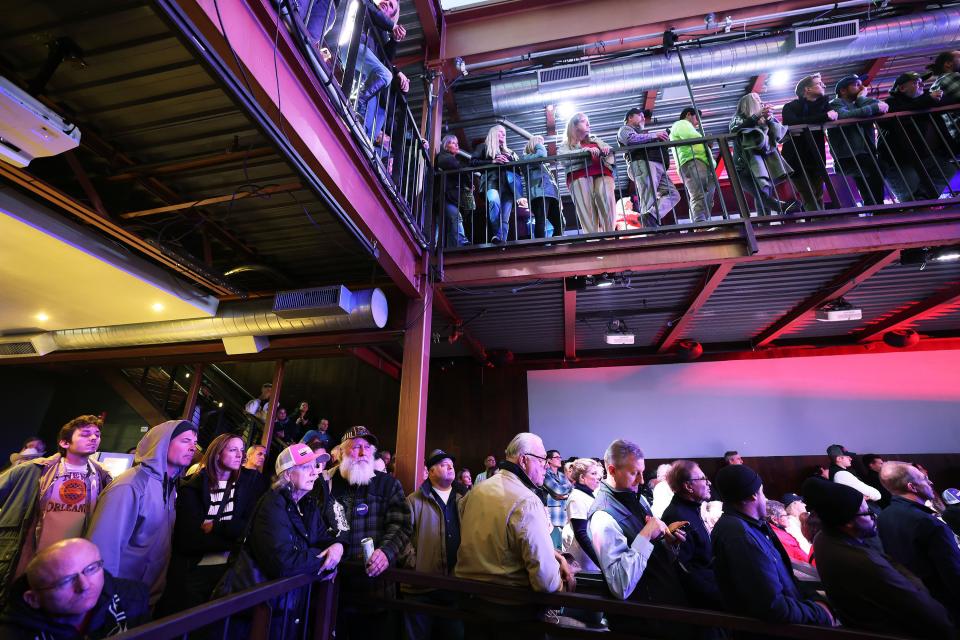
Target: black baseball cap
x=836, y=450
x=437, y=455
x=904, y=78
x=846, y=81
x=647, y=114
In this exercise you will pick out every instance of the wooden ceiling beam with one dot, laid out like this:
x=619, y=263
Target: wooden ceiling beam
x=713, y=278
x=569, y=324
x=836, y=288
x=945, y=298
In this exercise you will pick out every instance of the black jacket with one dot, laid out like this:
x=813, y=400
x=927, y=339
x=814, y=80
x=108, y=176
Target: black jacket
x=695, y=555
x=286, y=536
x=913, y=536
x=122, y=605
x=451, y=183
x=909, y=139
x=755, y=575
x=872, y=592
x=798, y=148
x=190, y=543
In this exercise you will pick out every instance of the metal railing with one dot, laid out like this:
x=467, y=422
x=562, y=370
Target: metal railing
x=350, y=52
x=897, y=161
x=316, y=614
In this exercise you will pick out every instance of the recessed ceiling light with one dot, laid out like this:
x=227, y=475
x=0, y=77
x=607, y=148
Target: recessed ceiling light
x=42, y=317
x=157, y=306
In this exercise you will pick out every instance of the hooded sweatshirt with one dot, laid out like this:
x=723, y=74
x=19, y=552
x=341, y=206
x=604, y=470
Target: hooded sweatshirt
x=133, y=522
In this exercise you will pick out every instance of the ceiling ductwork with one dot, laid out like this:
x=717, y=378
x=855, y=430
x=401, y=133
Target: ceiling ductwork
x=343, y=310
x=928, y=30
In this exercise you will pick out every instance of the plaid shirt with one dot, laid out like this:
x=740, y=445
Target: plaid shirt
x=377, y=510
x=950, y=84
x=556, y=484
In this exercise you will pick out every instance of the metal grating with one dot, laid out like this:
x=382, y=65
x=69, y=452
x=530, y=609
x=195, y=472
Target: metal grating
x=810, y=36
x=17, y=349
x=570, y=74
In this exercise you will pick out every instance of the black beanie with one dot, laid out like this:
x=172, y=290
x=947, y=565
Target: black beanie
x=183, y=425
x=737, y=482
x=835, y=503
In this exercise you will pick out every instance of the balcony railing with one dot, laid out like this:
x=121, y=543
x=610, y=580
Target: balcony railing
x=348, y=47
x=898, y=161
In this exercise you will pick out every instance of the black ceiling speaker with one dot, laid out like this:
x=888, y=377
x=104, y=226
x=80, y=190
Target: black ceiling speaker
x=689, y=350
x=901, y=338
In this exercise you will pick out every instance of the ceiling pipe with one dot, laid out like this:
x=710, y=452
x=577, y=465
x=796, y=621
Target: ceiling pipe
x=486, y=121
x=365, y=309
x=267, y=270
x=887, y=37
x=728, y=24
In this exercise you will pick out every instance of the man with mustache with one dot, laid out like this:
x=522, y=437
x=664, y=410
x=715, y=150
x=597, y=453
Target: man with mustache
x=374, y=506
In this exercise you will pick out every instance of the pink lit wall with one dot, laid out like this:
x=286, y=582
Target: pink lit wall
x=895, y=402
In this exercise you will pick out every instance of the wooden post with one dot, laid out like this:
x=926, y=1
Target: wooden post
x=194, y=393
x=414, y=377
x=274, y=402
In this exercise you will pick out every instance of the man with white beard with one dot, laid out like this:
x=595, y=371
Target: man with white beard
x=374, y=506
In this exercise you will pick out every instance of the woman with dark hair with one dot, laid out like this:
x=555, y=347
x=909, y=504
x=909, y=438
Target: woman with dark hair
x=452, y=188
x=214, y=507
x=543, y=194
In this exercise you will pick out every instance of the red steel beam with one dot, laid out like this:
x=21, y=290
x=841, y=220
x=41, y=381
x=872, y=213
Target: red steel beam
x=375, y=360
x=147, y=170
x=442, y=304
x=279, y=77
x=86, y=184
x=414, y=383
x=673, y=251
x=278, y=373
x=946, y=298
x=431, y=20
x=874, y=67
x=714, y=277
x=838, y=287
x=280, y=188
x=569, y=324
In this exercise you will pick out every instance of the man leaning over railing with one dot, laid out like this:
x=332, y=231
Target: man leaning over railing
x=915, y=161
x=648, y=167
x=854, y=147
x=696, y=165
x=805, y=150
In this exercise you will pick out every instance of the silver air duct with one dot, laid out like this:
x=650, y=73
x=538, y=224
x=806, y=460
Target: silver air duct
x=888, y=37
x=347, y=310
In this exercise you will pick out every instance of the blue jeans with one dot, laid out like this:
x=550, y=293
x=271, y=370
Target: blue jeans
x=454, y=235
x=378, y=76
x=499, y=213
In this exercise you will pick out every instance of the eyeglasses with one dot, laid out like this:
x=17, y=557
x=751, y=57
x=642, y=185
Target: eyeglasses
x=542, y=459
x=698, y=479
x=88, y=571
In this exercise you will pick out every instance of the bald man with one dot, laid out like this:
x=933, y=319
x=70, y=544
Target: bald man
x=66, y=593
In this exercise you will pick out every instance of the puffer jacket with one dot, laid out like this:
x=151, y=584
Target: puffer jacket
x=20, y=488
x=133, y=522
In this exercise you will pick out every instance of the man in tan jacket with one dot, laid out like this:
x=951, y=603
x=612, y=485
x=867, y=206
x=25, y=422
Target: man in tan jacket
x=520, y=554
x=433, y=547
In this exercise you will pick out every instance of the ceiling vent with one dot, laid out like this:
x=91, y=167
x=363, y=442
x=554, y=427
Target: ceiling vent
x=307, y=303
x=17, y=349
x=574, y=75
x=835, y=32
x=39, y=344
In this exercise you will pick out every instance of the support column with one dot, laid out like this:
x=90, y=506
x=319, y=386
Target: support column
x=414, y=377
x=274, y=403
x=193, y=393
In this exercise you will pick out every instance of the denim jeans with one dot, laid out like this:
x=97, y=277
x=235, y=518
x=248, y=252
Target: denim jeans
x=498, y=212
x=377, y=74
x=454, y=235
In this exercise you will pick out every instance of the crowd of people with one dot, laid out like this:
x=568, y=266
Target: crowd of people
x=912, y=158
x=87, y=555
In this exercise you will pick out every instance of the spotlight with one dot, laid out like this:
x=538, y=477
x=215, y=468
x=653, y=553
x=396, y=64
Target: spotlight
x=780, y=78
x=618, y=333
x=564, y=111
x=606, y=280
x=710, y=20
x=838, y=310
x=925, y=255
x=901, y=338
x=689, y=350
x=461, y=66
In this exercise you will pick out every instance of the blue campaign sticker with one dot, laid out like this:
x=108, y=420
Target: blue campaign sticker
x=362, y=509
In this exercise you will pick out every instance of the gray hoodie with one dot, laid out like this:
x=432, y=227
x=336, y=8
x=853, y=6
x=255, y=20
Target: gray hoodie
x=133, y=521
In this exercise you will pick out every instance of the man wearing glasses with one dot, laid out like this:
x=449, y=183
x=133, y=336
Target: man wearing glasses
x=868, y=590
x=557, y=489
x=520, y=554
x=66, y=593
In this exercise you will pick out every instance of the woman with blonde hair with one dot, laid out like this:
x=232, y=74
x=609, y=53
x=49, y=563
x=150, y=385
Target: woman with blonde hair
x=502, y=187
x=542, y=191
x=590, y=180
x=586, y=474
x=756, y=156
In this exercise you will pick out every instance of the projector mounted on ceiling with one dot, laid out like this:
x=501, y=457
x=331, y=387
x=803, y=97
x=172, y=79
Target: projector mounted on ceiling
x=30, y=130
x=838, y=311
x=617, y=333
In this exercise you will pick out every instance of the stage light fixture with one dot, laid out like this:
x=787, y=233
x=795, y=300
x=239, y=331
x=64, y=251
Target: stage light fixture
x=689, y=350
x=838, y=310
x=901, y=338
x=605, y=280
x=618, y=333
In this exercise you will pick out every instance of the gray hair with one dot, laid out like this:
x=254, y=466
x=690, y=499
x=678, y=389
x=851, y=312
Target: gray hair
x=446, y=140
x=282, y=481
x=619, y=451
x=522, y=443
x=775, y=510
x=895, y=475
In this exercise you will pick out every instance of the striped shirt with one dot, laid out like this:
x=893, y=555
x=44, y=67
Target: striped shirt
x=217, y=514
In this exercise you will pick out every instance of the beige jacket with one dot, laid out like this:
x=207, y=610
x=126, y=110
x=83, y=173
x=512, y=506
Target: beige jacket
x=505, y=536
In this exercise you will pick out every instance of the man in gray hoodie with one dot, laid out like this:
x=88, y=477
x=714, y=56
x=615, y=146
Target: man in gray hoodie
x=133, y=522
